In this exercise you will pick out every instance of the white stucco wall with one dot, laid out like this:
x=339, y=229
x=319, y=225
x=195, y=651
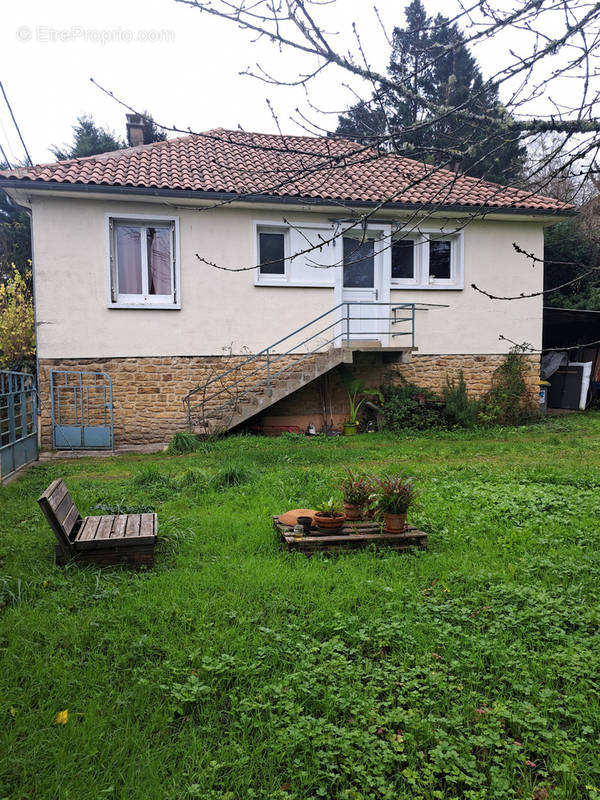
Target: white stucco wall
x=220, y=309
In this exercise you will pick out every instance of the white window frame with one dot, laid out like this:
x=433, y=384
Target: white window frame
x=261, y=279
x=416, y=278
x=422, y=279
x=289, y=229
x=164, y=302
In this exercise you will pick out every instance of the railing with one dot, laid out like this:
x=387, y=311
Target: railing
x=340, y=332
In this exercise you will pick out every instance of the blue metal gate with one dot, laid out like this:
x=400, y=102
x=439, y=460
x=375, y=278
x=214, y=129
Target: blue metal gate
x=82, y=410
x=18, y=421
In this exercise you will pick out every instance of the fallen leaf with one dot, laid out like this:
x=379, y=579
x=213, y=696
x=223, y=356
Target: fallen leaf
x=62, y=717
x=285, y=787
x=531, y=764
x=379, y=731
x=541, y=794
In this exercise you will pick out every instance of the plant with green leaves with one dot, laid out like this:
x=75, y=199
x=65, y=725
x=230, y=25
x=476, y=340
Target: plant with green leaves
x=461, y=410
x=17, y=328
x=329, y=508
x=396, y=493
x=356, y=488
x=358, y=392
x=183, y=443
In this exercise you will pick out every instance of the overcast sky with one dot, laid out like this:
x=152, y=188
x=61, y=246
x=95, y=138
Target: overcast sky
x=158, y=55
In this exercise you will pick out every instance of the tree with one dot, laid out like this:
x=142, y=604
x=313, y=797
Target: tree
x=17, y=330
x=152, y=132
x=89, y=140
x=431, y=62
x=549, y=47
x=15, y=238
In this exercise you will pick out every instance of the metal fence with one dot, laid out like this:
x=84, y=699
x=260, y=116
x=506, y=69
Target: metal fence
x=18, y=421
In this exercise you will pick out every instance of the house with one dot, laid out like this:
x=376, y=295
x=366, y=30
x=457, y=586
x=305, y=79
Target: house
x=166, y=266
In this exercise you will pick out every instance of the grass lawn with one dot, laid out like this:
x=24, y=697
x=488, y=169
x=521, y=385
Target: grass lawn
x=235, y=670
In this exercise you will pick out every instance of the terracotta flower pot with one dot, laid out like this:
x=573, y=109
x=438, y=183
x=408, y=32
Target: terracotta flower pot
x=353, y=512
x=394, y=523
x=330, y=524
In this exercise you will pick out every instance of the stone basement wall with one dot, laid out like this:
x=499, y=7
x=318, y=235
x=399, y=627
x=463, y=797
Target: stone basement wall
x=428, y=372
x=148, y=392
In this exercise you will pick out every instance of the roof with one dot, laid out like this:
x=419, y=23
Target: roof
x=254, y=164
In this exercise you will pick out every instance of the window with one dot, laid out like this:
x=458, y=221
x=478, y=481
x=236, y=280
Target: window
x=403, y=259
x=359, y=263
x=427, y=259
x=440, y=263
x=271, y=253
x=143, y=263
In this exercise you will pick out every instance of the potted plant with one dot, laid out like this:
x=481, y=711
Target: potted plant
x=395, y=495
x=357, y=394
x=329, y=517
x=356, y=490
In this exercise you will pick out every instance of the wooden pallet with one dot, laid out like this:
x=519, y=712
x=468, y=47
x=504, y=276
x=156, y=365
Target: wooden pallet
x=353, y=536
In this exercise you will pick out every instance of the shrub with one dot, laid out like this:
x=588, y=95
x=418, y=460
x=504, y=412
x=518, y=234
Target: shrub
x=461, y=410
x=183, y=443
x=507, y=402
x=17, y=330
x=410, y=406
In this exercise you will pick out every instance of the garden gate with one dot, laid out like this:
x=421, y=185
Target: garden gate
x=18, y=421
x=82, y=410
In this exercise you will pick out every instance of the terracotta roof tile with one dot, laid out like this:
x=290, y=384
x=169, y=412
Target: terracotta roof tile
x=282, y=166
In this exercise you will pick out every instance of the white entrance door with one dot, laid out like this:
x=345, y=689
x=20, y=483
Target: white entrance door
x=362, y=283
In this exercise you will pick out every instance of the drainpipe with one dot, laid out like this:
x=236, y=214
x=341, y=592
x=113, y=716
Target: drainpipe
x=29, y=212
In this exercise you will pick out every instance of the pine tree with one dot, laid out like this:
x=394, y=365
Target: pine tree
x=435, y=73
x=15, y=238
x=152, y=133
x=89, y=140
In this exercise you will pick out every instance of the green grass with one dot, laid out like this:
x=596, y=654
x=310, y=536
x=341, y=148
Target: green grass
x=235, y=670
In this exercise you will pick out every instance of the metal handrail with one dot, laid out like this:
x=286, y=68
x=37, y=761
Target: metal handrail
x=269, y=358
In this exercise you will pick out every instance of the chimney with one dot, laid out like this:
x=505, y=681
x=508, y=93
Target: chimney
x=135, y=129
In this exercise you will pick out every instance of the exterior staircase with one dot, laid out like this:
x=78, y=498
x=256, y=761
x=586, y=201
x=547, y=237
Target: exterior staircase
x=253, y=384
x=248, y=398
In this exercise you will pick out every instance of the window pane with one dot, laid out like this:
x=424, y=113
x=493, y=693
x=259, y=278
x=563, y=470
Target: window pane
x=403, y=259
x=159, y=260
x=129, y=259
x=359, y=264
x=272, y=253
x=439, y=260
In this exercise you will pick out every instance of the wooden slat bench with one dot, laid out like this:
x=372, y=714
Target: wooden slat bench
x=127, y=539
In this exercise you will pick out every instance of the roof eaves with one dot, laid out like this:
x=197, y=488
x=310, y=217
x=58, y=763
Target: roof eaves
x=105, y=188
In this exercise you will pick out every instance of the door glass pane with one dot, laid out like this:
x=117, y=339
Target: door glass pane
x=439, y=260
x=403, y=259
x=271, y=253
x=129, y=259
x=159, y=260
x=359, y=264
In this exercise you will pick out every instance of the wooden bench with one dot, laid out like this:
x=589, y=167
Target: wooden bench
x=127, y=539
